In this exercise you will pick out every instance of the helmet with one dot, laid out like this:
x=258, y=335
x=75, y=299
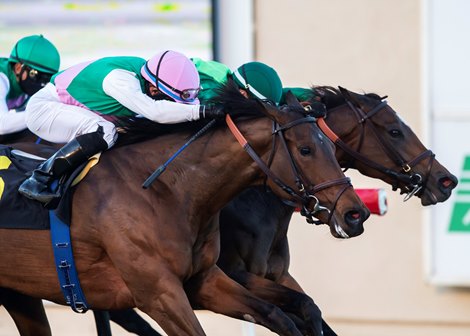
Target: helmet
x=259, y=80
x=37, y=52
x=174, y=75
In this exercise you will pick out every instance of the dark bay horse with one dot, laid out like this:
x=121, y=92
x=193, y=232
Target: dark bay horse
x=370, y=137
x=133, y=249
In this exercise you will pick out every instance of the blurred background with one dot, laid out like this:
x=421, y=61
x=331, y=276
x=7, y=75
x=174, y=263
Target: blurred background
x=409, y=273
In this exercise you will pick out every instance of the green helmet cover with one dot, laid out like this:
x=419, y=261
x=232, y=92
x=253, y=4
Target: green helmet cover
x=37, y=52
x=260, y=80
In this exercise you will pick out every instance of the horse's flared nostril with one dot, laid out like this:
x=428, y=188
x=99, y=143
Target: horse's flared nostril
x=447, y=183
x=354, y=218
x=354, y=214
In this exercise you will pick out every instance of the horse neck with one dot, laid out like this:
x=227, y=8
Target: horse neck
x=212, y=170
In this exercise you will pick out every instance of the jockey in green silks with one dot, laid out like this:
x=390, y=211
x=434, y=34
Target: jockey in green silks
x=32, y=62
x=254, y=79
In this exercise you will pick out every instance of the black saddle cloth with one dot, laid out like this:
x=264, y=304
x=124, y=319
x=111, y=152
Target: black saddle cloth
x=18, y=212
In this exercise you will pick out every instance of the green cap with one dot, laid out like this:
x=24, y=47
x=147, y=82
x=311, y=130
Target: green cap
x=260, y=80
x=37, y=52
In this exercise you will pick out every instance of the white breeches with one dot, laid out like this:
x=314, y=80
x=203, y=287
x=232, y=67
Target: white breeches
x=54, y=121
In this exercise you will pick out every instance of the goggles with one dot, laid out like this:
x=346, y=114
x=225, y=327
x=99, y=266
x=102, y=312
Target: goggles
x=269, y=102
x=187, y=95
x=37, y=76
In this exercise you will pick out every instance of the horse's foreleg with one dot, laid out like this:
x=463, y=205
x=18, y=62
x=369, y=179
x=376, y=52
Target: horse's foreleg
x=103, y=327
x=215, y=291
x=307, y=315
x=169, y=306
x=159, y=293
x=130, y=320
x=27, y=312
x=153, y=286
x=288, y=281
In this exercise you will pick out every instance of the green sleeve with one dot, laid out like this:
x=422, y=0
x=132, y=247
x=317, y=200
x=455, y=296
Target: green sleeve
x=212, y=75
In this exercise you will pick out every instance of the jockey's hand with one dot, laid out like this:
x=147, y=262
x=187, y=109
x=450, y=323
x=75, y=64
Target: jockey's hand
x=316, y=109
x=211, y=112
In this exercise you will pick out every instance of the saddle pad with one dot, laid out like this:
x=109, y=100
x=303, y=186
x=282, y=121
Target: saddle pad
x=18, y=212
x=93, y=161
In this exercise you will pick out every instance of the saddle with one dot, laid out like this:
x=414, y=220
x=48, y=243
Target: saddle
x=19, y=212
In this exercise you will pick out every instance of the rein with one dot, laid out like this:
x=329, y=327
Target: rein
x=162, y=168
x=302, y=195
x=414, y=182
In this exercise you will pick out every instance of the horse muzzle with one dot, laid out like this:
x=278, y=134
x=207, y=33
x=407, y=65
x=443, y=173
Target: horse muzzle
x=353, y=223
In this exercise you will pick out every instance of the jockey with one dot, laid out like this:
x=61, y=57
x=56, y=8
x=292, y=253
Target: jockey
x=70, y=109
x=32, y=62
x=254, y=79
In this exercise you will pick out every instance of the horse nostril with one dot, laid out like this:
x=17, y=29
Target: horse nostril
x=448, y=182
x=354, y=220
x=353, y=217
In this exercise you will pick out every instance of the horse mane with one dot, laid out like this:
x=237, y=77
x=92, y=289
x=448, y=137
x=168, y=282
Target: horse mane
x=328, y=95
x=229, y=96
x=137, y=129
x=332, y=97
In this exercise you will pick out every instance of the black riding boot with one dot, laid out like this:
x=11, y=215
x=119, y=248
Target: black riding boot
x=65, y=160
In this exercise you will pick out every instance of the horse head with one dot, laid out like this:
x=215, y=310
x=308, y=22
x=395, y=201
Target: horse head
x=308, y=175
x=373, y=138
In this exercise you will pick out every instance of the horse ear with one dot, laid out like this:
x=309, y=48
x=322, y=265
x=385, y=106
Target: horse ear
x=345, y=92
x=292, y=100
x=264, y=108
x=271, y=111
x=348, y=96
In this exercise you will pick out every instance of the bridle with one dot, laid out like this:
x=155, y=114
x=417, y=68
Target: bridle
x=302, y=195
x=413, y=182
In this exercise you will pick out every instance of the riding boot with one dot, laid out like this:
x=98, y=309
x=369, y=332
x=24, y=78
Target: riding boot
x=64, y=161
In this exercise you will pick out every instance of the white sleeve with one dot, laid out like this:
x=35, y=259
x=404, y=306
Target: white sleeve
x=124, y=86
x=4, y=88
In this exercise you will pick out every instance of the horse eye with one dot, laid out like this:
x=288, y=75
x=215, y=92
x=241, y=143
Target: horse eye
x=395, y=133
x=305, y=151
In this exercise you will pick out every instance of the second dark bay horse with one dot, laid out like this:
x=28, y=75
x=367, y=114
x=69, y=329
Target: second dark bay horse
x=148, y=248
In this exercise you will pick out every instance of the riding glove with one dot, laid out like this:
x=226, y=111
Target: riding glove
x=211, y=112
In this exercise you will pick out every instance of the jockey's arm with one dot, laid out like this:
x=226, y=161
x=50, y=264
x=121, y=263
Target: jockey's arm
x=123, y=86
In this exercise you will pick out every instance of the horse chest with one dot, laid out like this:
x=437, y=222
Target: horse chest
x=277, y=266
